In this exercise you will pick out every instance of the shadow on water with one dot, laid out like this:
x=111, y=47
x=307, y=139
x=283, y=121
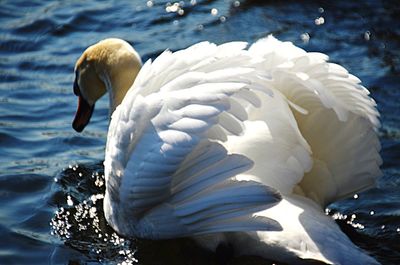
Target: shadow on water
x=80, y=224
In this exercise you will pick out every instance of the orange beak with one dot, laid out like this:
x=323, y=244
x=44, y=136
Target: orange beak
x=83, y=114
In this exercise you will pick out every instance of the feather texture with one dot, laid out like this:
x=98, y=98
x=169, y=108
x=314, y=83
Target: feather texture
x=213, y=139
x=158, y=140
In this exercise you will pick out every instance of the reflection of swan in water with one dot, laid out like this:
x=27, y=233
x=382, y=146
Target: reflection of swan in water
x=202, y=134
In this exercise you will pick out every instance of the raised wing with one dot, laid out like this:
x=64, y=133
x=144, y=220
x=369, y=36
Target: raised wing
x=156, y=134
x=334, y=113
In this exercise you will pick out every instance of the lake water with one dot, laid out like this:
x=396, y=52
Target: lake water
x=51, y=177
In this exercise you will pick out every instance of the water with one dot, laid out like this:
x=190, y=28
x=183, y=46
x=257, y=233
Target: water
x=46, y=201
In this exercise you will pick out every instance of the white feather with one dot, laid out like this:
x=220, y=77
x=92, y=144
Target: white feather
x=210, y=138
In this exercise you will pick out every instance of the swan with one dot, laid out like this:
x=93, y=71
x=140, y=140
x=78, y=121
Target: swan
x=232, y=145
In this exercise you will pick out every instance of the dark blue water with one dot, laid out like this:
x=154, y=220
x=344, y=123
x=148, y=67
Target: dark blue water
x=50, y=208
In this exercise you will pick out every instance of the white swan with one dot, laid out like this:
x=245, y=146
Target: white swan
x=202, y=141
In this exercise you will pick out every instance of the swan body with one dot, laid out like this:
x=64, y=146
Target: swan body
x=220, y=138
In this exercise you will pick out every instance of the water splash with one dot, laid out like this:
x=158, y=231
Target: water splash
x=79, y=221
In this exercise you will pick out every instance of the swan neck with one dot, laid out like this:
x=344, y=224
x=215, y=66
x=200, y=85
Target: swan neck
x=116, y=92
x=117, y=84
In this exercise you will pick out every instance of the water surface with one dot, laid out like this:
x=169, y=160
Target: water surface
x=51, y=177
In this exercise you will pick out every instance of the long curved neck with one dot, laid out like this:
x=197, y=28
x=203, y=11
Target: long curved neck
x=118, y=81
x=117, y=89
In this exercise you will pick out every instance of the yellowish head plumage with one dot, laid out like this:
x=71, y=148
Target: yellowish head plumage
x=110, y=65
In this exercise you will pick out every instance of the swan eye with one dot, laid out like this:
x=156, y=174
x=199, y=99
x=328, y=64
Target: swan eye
x=77, y=91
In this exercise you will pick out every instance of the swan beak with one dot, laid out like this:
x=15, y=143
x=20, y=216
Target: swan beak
x=76, y=86
x=83, y=114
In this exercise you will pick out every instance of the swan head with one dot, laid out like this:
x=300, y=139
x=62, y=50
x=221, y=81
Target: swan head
x=110, y=65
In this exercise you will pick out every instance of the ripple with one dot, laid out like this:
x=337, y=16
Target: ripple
x=14, y=243
x=38, y=26
x=47, y=67
x=23, y=183
x=391, y=150
x=18, y=45
x=79, y=220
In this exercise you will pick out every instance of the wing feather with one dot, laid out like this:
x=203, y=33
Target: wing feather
x=170, y=158
x=339, y=116
x=166, y=165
